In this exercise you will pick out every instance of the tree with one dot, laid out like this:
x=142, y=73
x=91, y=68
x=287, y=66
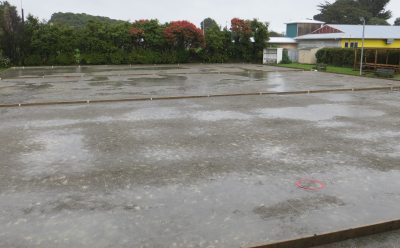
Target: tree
x=78, y=20
x=241, y=34
x=397, y=22
x=208, y=23
x=10, y=30
x=184, y=35
x=148, y=34
x=275, y=34
x=350, y=11
x=261, y=37
x=377, y=8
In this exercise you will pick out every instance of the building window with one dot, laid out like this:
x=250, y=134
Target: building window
x=354, y=44
x=346, y=45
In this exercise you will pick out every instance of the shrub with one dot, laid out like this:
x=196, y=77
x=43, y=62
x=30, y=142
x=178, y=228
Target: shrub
x=33, y=60
x=4, y=62
x=95, y=59
x=336, y=56
x=117, y=58
x=285, y=58
x=64, y=59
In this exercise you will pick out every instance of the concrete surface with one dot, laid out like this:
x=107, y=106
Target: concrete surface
x=43, y=84
x=215, y=172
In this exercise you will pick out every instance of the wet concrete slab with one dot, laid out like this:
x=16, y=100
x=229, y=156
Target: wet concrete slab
x=217, y=172
x=44, y=84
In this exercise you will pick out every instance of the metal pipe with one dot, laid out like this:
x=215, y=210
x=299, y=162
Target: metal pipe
x=362, y=48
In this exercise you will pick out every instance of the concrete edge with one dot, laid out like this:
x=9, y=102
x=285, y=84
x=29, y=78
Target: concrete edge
x=10, y=105
x=333, y=237
x=140, y=74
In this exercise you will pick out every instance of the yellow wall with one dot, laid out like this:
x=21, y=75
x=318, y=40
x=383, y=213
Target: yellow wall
x=373, y=43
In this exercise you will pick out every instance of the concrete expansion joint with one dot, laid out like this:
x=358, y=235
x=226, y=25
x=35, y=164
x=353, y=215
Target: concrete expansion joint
x=308, y=92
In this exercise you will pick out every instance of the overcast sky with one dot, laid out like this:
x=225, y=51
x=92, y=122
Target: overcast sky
x=276, y=12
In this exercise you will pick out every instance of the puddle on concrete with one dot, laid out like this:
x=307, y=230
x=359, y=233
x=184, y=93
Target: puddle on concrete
x=140, y=81
x=389, y=150
x=80, y=202
x=219, y=115
x=331, y=85
x=160, y=153
x=337, y=97
x=33, y=86
x=99, y=78
x=56, y=152
x=270, y=151
x=334, y=124
x=160, y=113
x=373, y=136
x=50, y=123
x=295, y=207
x=252, y=74
x=162, y=79
x=319, y=112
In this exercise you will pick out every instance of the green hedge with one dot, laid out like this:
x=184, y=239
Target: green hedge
x=4, y=62
x=336, y=56
x=138, y=56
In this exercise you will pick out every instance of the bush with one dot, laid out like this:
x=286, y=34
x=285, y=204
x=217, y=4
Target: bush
x=4, y=62
x=65, y=59
x=95, y=59
x=117, y=58
x=336, y=56
x=285, y=58
x=33, y=60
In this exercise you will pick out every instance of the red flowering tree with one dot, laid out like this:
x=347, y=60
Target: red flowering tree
x=241, y=34
x=241, y=29
x=184, y=35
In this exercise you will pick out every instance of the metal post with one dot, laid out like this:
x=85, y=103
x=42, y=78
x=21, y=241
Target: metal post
x=362, y=48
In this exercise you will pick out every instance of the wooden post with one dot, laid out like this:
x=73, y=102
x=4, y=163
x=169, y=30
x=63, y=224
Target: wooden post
x=355, y=59
x=399, y=63
x=387, y=57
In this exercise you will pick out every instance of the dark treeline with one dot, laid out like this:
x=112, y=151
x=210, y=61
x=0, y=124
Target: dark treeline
x=33, y=42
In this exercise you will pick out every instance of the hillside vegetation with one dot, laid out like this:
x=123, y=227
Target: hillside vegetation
x=79, y=20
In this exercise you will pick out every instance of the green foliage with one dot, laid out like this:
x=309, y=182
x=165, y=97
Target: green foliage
x=285, y=57
x=69, y=39
x=275, y=34
x=33, y=60
x=10, y=30
x=208, y=23
x=4, y=62
x=261, y=36
x=117, y=58
x=350, y=11
x=397, y=22
x=148, y=34
x=79, y=20
x=95, y=59
x=336, y=56
x=77, y=56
